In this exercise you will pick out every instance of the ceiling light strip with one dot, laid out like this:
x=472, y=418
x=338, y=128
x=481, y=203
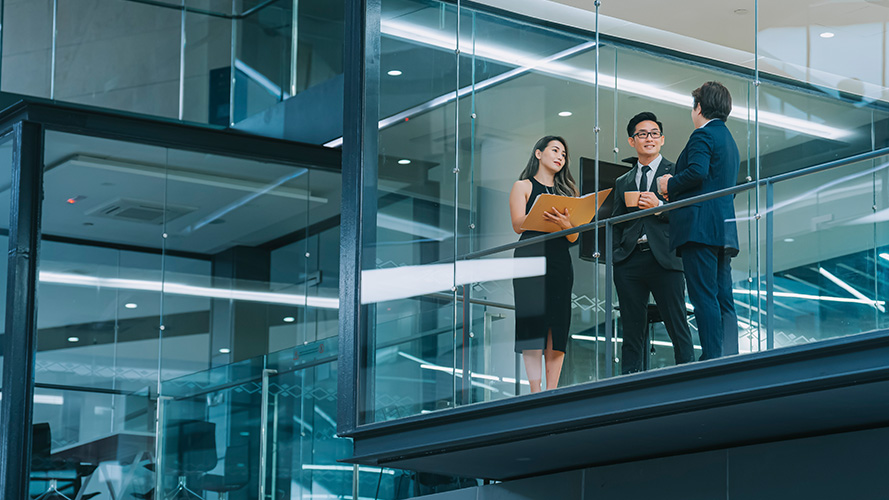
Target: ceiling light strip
x=190, y=290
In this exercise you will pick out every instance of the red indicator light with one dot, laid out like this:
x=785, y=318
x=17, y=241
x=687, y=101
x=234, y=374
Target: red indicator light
x=72, y=200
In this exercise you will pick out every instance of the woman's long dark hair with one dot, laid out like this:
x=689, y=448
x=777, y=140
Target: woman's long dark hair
x=563, y=183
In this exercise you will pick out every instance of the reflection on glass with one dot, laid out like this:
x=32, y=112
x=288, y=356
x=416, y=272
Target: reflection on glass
x=157, y=265
x=117, y=54
x=5, y=181
x=827, y=272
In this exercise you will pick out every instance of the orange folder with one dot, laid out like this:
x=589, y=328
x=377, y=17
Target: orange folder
x=582, y=210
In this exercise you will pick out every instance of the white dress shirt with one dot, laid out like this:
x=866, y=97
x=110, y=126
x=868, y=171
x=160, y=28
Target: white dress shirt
x=654, y=166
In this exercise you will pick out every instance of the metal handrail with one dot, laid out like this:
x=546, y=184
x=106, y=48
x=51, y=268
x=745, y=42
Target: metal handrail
x=667, y=207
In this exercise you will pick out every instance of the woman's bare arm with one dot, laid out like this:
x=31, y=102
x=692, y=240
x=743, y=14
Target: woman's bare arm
x=518, y=199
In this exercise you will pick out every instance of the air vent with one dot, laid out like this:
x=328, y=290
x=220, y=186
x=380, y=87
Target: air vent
x=124, y=209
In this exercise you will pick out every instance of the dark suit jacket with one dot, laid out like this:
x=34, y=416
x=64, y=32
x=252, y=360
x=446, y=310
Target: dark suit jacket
x=709, y=162
x=655, y=227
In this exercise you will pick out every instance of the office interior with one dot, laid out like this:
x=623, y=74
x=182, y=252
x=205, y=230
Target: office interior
x=198, y=188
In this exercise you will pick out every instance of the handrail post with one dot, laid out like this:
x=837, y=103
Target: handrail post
x=264, y=432
x=770, y=267
x=610, y=350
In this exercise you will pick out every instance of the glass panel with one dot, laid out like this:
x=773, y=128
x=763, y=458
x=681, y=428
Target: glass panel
x=5, y=181
x=288, y=58
x=27, y=47
x=408, y=271
x=304, y=448
x=822, y=44
x=262, y=58
x=97, y=347
x=210, y=432
x=206, y=91
x=224, y=218
x=801, y=129
x=120, y=55
x=828, y=268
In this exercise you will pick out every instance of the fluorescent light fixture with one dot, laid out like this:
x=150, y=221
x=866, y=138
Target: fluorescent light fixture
x=884, y=256
x=73, y=339
x=348, y=468
x=600, y=338
x=450, y=371
x=289, y=319
x=46, y=399
x=380, y=285
x=224, y=350
x=827, y=34
x=565, y=113
x=394, y=72
x=822, y=298
x=260, y=79
x=847, y=287
x=426, y=231
x=404, y=161
x=131, y=305
x=788, y=240
x=532, y=63
x=303, y=424
x=327, y=418
x=189, y=290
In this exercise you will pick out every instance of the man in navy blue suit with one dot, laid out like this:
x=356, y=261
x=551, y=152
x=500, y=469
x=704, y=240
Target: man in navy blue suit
x=705, y=234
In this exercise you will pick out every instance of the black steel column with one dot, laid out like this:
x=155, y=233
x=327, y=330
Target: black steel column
x=20, y=342
x=360, y=136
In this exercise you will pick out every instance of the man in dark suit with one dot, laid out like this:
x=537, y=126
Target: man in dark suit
x=643, y=261
x=705, y=234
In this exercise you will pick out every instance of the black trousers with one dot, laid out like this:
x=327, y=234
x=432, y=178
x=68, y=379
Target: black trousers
x=636, y=277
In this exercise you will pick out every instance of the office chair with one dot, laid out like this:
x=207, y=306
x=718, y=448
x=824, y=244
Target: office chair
x=236, y=472
x=42, y=462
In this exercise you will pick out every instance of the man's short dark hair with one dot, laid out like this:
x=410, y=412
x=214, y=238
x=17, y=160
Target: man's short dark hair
x=715, y=100
x=641, y=117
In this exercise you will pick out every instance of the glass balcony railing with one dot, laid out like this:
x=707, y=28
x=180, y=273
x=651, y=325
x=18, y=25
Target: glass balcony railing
x=263, y=428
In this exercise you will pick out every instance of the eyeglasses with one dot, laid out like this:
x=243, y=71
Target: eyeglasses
x=654, y=134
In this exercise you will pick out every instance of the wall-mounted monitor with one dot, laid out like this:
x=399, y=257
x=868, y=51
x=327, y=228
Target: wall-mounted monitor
x=608, y=173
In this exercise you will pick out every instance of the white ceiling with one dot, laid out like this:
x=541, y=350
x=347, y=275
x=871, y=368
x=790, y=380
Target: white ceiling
x=790, y=45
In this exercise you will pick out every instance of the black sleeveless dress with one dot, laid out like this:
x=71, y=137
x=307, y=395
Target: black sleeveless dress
x=543, y=303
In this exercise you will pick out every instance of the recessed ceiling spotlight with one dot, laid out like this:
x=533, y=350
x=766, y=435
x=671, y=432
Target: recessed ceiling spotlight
x=404, y=161
x=225, y=350
x=565, y=113
x=827, y=34
x=788, y=240
x=131, y=305
x=73, y=339
x=289, y=319
x=394, y=72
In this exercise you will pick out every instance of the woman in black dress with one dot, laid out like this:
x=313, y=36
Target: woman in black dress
x=543, y=303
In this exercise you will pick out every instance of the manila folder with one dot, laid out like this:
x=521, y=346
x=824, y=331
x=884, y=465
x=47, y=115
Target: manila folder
x=582, y=210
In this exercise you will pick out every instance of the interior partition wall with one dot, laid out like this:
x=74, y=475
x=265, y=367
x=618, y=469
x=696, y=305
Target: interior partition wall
x=164, y=251
x=448, y=100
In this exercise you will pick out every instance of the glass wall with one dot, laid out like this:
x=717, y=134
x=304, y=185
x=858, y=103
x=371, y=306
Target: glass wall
x=6, y=179
x=158, y=264
x=231, y=64
x=464, y=94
